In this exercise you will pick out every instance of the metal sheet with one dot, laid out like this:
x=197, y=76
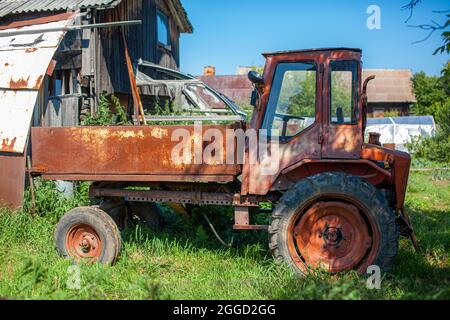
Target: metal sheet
x=16, y=110
x=17, y=52
x=124, y=151
x=8, y=7
x=12, y=182
x=24, y=61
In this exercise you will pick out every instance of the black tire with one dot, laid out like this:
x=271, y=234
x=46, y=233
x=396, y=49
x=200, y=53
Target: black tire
x=104, y=227
x=335, y=187
x=148, y=214
x=129, y=214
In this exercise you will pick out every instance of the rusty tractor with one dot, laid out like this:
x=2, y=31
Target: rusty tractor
x=338, y=203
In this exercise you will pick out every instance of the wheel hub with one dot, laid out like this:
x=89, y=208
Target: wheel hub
x=332, y=235
x=83, y=242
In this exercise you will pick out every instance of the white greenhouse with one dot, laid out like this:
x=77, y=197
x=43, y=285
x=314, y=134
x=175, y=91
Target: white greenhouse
x=399, y=131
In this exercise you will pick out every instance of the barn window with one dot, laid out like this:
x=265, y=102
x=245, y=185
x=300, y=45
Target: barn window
x=62, y=83
x=163, y=29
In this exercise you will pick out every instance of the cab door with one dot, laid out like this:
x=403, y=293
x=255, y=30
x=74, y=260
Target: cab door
x=342, y=125
x=291, y=117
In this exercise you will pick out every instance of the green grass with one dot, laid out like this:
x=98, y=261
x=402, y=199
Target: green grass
x=185, y=262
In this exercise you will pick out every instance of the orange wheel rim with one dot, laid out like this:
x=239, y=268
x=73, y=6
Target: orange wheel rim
x=330, y=235
x=83, y=243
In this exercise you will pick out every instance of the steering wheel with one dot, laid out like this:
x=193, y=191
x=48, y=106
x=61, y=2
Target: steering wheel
x=286, y=118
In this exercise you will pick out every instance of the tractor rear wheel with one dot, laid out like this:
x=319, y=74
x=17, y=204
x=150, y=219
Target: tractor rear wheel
x=336, y=222
x=88, y=234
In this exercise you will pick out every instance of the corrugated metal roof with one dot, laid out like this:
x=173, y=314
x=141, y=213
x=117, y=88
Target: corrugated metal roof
x=8, y=7
x=24, y=60
x=12, y=7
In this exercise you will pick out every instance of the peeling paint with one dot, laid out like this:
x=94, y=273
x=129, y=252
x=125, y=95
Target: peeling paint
x=27, y=56
x=19, y=84
x=159, y=133
x=25, y=59
x=8, y=146
x=38, y=84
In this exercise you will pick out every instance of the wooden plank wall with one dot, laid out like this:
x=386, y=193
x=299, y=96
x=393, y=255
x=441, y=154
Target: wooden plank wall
x=111, y=72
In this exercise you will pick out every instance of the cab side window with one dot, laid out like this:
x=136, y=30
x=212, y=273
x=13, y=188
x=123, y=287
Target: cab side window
x=343, y=93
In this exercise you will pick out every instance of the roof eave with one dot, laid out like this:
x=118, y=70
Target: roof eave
x=181, y=16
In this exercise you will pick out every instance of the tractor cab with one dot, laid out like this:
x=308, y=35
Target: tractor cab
x=311, y=102
x=312, y=91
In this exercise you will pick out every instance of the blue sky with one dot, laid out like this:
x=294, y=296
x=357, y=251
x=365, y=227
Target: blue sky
x=234, y=33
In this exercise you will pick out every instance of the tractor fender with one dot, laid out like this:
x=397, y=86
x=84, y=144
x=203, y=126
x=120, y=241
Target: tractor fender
x=365, y=169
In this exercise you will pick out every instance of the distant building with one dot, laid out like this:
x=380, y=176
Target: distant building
x=391, y=92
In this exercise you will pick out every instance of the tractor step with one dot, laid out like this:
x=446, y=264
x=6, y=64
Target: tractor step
x=242, y=220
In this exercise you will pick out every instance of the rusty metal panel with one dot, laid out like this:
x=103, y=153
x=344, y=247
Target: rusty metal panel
x=16, y=110
x=16, y=53
x=146, y=150
x=24, y=60
x=12, y=182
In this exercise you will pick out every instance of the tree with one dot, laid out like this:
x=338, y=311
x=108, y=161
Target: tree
x=432, y=27
x=433, y=98
x=304, y=102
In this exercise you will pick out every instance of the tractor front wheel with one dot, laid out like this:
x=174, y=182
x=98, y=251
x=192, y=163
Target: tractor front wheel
x=335, y=222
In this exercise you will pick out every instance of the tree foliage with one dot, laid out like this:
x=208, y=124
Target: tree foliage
x=302, y=98
x=431, y=27
x=433, y=98
x=300, y=95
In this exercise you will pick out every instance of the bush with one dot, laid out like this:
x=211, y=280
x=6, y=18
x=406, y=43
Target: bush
x=436, y=148
x=105, y=116
x=433, y=98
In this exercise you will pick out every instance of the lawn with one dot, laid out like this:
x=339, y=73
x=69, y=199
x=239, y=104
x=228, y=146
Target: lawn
x=185, y=261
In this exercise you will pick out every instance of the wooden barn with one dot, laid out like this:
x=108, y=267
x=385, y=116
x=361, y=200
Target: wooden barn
x=57, y=57
x=91, y=61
